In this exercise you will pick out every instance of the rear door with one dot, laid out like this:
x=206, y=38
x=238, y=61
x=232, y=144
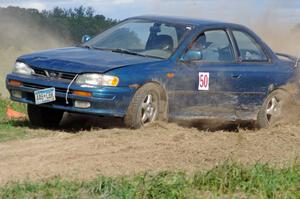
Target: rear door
x=252, y=76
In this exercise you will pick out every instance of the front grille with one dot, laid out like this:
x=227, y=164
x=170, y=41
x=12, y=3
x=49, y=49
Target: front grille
x=39, y=72
x=36, y=86
x=69, y=76
x=54, y=74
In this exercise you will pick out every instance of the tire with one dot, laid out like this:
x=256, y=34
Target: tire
x=272, y=110
x=143, y=110
x=44, y=117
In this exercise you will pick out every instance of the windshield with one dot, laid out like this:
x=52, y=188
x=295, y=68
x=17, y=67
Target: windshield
x=141, y=37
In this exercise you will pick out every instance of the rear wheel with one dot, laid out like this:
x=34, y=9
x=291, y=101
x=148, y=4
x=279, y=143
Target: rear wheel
x=272, y=111
x=144, y=107
x=44, y=117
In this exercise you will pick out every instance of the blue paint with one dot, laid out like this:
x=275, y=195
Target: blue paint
x=235, y=87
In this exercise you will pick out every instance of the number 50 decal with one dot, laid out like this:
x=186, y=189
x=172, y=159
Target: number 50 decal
x=203, y=82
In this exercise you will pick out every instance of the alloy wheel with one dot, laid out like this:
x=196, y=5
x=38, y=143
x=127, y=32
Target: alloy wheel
x=149, y=108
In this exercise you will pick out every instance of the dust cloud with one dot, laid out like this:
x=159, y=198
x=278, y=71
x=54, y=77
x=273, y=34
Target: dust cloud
x=22, y=36
x=274, y=21
x=280, y=36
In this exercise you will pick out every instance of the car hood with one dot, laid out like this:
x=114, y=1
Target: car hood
x=81, y=60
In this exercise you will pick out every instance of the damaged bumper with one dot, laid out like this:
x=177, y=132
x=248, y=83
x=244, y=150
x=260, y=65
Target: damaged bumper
x=104, y=101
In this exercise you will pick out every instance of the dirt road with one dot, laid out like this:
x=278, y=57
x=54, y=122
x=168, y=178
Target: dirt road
x=118, y=151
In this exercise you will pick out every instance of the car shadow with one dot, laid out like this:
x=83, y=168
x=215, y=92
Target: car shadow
x=218, y=125
x=74, y=123
x=71, y=123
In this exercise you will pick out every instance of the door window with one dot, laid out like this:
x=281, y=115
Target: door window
x=249, y=49
x=214, y=46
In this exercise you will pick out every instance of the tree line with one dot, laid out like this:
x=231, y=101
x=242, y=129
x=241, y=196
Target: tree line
x=65, y=23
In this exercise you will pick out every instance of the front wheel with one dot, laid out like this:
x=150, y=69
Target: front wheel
x=144, y=107
x=44, y=117
x=272, y=110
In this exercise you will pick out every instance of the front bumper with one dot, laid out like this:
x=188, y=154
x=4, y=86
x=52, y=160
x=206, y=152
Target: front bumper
x=105, y=101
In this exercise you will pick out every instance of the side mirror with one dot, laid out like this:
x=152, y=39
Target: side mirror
x=85, y=38
x=192, y=55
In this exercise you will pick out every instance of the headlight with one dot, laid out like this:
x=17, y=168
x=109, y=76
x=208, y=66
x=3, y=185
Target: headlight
x=97, y=80
x=22, y=68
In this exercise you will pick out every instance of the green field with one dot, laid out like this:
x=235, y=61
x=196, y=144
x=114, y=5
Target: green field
x=13, y=129
x=226, y=181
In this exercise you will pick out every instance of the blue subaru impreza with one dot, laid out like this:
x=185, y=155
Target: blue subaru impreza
x=149, y=68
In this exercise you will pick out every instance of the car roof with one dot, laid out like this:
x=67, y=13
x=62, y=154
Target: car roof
x=185, y=20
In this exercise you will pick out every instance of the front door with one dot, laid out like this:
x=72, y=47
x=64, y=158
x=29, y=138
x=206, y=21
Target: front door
x=197, y=88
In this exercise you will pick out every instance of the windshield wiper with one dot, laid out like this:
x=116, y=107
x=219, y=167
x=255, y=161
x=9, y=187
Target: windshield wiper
x=85, y=46
x=125, y=51
x=116, y=50
x=97, y=48
x=129, y=52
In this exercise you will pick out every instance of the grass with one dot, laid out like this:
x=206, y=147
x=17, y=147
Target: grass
x=12, y=129
x=4, y=103
x=226, y=181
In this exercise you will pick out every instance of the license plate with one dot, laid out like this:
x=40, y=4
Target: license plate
x=44, y=96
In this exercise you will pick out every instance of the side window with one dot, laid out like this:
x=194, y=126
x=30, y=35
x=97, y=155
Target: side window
x=214, y=46
x=248, y=47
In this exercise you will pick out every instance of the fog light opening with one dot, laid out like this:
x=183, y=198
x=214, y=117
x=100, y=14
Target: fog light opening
x=16, y=94
x=82, y=104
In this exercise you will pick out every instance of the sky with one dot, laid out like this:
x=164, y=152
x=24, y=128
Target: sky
x=286, y=11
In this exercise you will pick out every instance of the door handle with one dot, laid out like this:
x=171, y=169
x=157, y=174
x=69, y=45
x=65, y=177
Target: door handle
x=236, y=76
